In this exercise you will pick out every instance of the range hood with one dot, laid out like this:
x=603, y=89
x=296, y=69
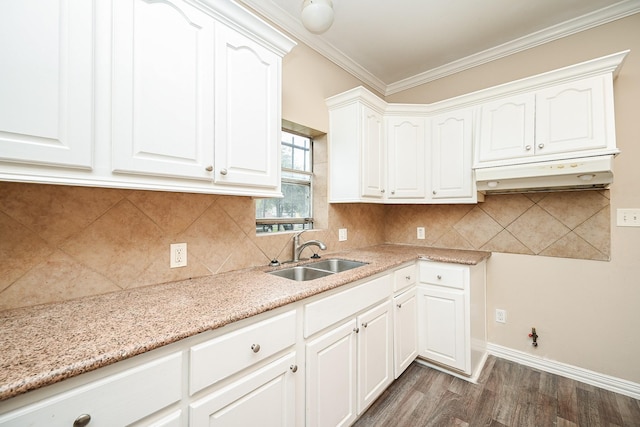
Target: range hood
x=586, y=173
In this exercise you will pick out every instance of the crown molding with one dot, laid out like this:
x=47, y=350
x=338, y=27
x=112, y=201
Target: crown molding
x=576, y=25
x=573, y=26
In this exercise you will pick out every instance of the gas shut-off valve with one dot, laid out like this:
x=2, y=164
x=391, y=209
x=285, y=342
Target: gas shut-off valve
x=534, y=336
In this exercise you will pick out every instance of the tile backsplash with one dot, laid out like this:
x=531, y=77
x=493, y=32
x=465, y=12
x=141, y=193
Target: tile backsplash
x=61, y=242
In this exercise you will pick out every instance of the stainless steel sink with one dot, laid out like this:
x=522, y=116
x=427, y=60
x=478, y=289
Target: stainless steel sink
x=336, y=265
x=318, y=269
x=301, y=274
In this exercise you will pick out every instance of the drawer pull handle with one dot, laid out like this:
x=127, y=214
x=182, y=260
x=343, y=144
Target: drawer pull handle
x=365, y=324
x=439, y=277
x=82, y=420
x=255, y=348
x=408, y=277
x=356, y=329
x=294, y=368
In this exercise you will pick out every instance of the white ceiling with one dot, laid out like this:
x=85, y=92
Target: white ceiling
x=394, y=45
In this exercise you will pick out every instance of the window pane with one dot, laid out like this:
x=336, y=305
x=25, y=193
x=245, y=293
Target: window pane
x=294, y=204
x=296, y=152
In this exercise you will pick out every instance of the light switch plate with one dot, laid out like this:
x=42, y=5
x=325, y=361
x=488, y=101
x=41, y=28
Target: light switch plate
x=628, y=217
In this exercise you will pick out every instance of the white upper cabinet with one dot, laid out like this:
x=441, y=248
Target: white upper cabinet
x=247, y=100
x=170, y=95
x=373, y=154
x=451, y=155
x=162, y=91
x=406, y=142
x=574, y=116
x=46, y=82
x=507, y=128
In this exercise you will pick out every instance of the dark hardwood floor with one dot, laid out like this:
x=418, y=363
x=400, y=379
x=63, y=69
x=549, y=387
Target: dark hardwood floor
x=507, y=394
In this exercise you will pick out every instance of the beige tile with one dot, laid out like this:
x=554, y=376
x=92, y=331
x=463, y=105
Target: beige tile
x=55, y=212
x=172, y=212
x=597, y=231
x=20, y=250
x=244, y=254
x=477, y=227
x=572, y=208
x=160, y=271
x=505, y=208
x=537, y=229
x=58, y=278
x=213, y=237
x=453, y=240
x=120, y=245
x=275, y=245
x=241, y=210
x=505, y=242
x=573, y=246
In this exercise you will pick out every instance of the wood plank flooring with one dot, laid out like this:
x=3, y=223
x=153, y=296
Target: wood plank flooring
x=507, y=394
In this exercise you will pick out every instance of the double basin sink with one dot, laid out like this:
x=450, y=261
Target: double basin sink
x=318, y=269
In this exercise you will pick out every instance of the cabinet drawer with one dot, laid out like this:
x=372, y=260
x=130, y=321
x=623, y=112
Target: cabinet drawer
x=116, y=400
x=442, y=275
x=220, y=357
x=327, y=311
x=404, y=277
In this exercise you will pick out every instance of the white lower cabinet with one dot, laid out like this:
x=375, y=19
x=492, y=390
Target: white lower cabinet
x=349, y=367
x=116, y=400
x=451, y=322
x=264, y=397
x=405, y=327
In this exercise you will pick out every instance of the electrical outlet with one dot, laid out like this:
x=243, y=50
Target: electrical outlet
x=501, y=315
x=628, y=217
x=178, y=255
x=342, y=234
x=420, y=233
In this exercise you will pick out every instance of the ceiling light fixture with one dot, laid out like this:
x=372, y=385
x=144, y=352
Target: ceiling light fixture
x=317, y=15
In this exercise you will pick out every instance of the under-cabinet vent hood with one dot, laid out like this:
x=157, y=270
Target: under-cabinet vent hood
x=587, y=173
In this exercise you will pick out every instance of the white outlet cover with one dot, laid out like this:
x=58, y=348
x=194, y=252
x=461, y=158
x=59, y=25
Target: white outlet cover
x=420, y=233
x=342, y=234
x=178, y=255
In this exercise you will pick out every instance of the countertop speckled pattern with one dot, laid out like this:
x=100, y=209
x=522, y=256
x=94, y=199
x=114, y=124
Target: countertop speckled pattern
x=46, y=344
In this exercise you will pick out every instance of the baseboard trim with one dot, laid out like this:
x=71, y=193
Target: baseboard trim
x=607, y=382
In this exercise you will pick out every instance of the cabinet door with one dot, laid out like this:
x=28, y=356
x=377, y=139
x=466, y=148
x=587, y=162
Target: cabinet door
x=442, y=326
x=265, y=397
x=375, y=353
x=572, y=116
x=451, y=151
x=116, y=400
x=373, y=155
x=46, y=82
x=162, y=90
x=406, y=151
x=331, y=377
x=507, y=128
x=405, y=326
x=247, y=97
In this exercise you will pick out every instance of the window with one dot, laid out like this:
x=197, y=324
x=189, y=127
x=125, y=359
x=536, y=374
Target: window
x=293, y=211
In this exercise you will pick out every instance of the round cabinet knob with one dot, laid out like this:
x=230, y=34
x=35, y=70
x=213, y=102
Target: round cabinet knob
x=356, y=330
x=255, y=348
x=82, y=420
x=382, y=191
x=399, y=305
x=209, y=168
x=294, y=368
x=434, y=192
x=365, y=324
x=540, y=145
x=439, y=277
x=528, y=148
x=223, y=171
x=407, y=277
x=393, y=191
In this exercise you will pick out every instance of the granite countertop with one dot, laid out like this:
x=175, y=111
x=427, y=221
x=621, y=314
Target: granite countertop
x=45, y=344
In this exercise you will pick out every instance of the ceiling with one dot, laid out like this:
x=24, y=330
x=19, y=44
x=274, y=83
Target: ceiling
x=395, y=45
